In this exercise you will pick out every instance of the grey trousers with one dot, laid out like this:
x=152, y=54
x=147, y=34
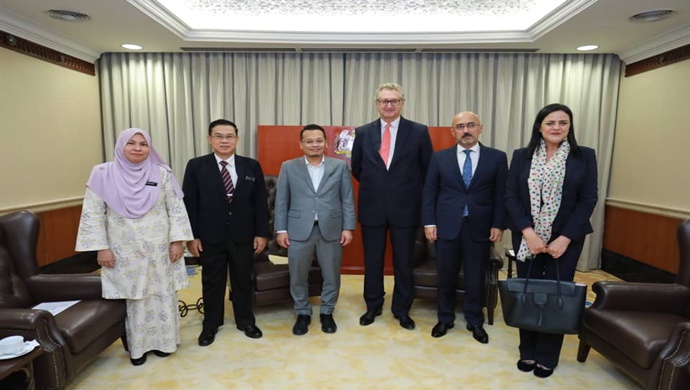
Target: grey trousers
x=329, y=255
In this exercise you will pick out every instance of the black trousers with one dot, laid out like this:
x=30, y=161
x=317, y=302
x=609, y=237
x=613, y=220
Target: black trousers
x=217, y=261
x=545, y=348
x=374, y=241
x=473, y=257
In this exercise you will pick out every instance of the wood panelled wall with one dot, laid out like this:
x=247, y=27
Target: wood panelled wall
x=57, y=235
x=647, y=238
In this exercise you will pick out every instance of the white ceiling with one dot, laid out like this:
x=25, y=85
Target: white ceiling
x=543, y=26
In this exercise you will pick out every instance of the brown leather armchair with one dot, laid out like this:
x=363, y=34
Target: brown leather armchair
x=426, y=281
x=70, y=339
x=644, y=328
x=272, y=281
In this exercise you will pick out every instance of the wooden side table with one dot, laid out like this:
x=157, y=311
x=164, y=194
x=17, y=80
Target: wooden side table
x=18, y=373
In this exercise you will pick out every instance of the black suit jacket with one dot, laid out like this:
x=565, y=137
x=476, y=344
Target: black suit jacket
x=213, y=219
x=580, y=195
x=393, y=194
x=445, y=194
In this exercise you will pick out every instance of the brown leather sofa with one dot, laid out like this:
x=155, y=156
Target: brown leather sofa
x=272, y=281
x=644, y=328
x=425, y=276
x=70, y=339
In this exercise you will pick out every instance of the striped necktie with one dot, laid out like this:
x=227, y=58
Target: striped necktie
x=227, y=180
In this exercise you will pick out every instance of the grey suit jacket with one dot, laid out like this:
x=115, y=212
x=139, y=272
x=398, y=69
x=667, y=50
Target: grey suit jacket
x=297, y=201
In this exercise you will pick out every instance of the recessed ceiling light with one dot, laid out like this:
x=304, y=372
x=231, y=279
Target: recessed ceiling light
x=132, y=46
x=67, y=16
x=652, y=16
x=587, y=47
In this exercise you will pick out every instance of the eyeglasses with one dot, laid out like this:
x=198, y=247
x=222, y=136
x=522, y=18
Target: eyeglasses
x=220, y=137
x=469, y=126
x=311, y=142
x=393, y=102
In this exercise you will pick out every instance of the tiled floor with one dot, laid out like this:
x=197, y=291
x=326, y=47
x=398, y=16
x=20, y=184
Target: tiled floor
x=380, y=356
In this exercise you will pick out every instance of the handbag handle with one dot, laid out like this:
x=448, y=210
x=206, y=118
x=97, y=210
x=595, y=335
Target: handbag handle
x=558, y=281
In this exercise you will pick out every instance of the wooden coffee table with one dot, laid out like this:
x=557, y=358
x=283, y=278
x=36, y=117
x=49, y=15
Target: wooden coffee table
x=18, y=373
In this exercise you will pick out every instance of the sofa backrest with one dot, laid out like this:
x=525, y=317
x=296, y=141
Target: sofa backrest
x=18, y=236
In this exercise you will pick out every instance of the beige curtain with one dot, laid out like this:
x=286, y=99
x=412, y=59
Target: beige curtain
x=175, y=95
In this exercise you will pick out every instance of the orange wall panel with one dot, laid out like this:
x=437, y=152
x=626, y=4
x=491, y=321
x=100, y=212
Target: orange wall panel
x=279, y=143
x=57, y=235
x=648, y=238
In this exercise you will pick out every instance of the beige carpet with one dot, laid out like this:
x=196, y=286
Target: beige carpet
x=380, y=356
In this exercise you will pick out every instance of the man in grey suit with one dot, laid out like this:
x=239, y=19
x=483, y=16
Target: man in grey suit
x=314, y=214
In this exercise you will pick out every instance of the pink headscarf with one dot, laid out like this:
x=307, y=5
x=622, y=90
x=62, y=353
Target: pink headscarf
x=131, y=189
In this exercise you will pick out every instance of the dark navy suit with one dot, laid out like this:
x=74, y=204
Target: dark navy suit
x=464, y=242
x=579, y=198
x=227, y=232
x=389, y=200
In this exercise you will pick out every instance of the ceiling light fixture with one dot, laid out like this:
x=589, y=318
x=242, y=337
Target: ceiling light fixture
x=652, y=16
x=587, y=47
x=67, y=16
x=132, y=46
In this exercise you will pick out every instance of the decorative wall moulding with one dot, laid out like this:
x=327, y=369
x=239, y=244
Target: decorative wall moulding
x=35, y=50
x=666, y=58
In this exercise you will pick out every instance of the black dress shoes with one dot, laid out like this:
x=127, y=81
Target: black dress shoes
x=369, y=317
x=161, y=353
x=301, y=325
x=441, y=329
x=406, y=322
x=207, y=337
x=524, y=366
x=478, y=333
x=328, y=323
x=140, y=361
x=252, y=331
x=542, y=372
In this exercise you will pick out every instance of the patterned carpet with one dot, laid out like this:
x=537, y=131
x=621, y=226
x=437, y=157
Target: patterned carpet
x=380, y=356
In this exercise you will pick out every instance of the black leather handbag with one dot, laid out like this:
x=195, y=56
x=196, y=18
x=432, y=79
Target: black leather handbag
x=542, y=305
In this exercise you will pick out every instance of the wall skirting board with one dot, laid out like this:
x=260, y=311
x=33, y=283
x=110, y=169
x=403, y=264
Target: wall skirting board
x=632, y=270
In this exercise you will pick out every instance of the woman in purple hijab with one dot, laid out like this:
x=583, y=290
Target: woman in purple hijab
x=134, y=216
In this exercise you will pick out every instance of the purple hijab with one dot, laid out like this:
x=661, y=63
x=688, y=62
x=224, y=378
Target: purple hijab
x=123, y=184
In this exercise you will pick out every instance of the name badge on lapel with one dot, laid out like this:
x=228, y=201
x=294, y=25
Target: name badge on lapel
x=152, y=183
x=249, y=178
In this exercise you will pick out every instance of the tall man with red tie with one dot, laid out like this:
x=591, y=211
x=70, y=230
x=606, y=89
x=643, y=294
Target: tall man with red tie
x=225, y=197
x=390, y=157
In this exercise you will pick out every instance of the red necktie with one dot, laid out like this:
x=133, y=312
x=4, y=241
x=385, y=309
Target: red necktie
x=227, y=181
x=386, y=144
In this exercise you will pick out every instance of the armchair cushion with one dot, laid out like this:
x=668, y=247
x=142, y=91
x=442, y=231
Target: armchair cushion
x=269, y=276
x=637, y=334
x=87, y=320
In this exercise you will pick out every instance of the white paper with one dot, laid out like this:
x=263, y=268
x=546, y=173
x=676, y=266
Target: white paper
x=278, y=259
x=511, y=252
x=55, y=308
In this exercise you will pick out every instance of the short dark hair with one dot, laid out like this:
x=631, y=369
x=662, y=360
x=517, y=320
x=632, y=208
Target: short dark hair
x=312, y=126
x=536, y=128
x=222, y=122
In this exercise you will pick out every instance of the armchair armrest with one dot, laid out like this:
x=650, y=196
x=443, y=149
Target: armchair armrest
x=64, y=287
x=40, y=325
x=655, y=297
x=674, y=365
x=32, y=324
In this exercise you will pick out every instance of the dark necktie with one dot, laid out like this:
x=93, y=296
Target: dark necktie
x=467, y=176
x=227, y=180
